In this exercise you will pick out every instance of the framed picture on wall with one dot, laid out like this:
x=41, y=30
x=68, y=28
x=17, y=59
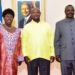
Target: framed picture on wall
x=22, y=8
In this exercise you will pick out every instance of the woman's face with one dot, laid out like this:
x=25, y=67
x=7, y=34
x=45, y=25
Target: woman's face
x=8, y=19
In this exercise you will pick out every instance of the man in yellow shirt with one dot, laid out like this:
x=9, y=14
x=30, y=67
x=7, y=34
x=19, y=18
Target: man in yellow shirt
x=37, y=45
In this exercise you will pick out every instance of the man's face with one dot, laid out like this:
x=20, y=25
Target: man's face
x=35, y=14
x=8, y=19
x=69, y=11
x=25, y=10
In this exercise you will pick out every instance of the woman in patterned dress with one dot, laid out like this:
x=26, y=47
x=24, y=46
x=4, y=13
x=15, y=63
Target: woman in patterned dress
x=10, y=45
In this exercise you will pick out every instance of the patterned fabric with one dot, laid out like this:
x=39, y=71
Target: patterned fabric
x=10, y=51
x=0, y=11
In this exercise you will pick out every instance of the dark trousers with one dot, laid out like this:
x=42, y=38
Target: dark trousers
x=68, y=67
x=42, y=64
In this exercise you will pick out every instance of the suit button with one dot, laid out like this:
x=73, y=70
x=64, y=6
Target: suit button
x=72, y=38
x=72, y=43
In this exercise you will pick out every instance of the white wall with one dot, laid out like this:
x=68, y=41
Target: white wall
x=6, y=4
x=55, y=9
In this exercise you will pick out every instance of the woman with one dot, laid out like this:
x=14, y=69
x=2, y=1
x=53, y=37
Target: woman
x=10, y=45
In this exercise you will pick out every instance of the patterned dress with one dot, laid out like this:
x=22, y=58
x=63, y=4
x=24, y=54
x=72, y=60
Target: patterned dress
x=10, y=49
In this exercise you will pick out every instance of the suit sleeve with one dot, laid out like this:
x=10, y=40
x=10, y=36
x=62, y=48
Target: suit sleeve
x=57, y=40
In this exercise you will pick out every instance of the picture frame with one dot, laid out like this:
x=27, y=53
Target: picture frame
x=16, y=4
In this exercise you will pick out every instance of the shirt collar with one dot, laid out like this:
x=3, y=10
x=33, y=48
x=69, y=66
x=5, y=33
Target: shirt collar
x=27, y=17
x=69, y=20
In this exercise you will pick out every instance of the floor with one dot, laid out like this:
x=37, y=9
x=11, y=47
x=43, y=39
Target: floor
x=55, y=69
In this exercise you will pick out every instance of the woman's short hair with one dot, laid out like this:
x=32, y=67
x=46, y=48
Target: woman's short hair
x=8, y=11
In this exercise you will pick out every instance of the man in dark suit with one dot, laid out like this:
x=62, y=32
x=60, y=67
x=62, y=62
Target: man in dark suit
x=64, y=42
x=25, y=10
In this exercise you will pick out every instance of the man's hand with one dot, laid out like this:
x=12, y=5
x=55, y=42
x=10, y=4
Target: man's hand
x=58, y=59
x=26, y=59
x=52, y=58
x=19, y=62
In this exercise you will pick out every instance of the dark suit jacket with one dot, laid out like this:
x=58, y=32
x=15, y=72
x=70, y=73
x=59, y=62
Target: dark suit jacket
x=21, y=23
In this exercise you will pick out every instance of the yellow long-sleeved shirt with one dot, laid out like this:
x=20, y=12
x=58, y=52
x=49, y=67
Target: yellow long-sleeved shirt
x=37, y=40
